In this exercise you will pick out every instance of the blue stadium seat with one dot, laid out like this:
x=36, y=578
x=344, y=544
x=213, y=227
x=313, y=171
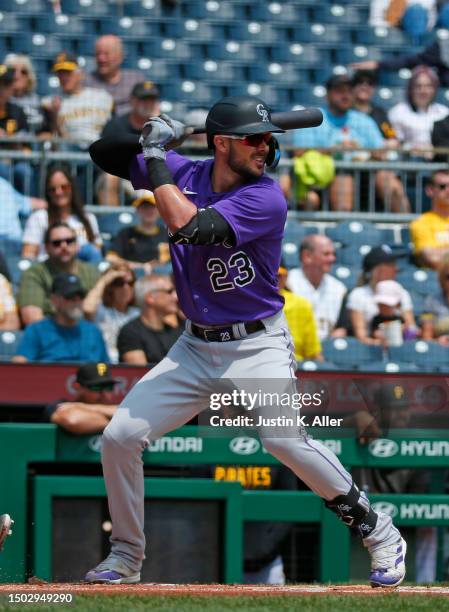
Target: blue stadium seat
x=336, y=14
x=125, y=26
x=388, y=236
x=11, y=247
x=9, y=341
x=290, y=253
x=211, y=70
x=169, y=48
x=381, y=37
x=90, y=8
x=389, y=96
x=347, y=275
x=111, y=223
x=226, y=11
x=319, y=33
x=405, y=236
x=316, y=366
x=356, y=53
x=275, y=96
x=389, y=367
x=352, y=233
x=70, y=25
x=294, y=230
x=24, y=6
x=274, y=72
x=255, y=32
x=143, y=8
x=350, y=353
x=231, y=50
x=36, y=45
x=418, y=280
x=160, y=70
x=195, y=10
x=352, y=255
x=10, y=22
x=16, y=266
x=200, y=31
x=274, y=12
x=429, y=356
x=301, y=55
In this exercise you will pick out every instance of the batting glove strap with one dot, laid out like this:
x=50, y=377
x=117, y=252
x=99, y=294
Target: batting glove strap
x=154, y=152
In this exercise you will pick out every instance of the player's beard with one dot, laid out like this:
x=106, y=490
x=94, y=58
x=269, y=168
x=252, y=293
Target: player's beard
x=242, y=168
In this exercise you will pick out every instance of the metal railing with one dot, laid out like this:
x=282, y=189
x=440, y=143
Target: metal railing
x=39, y=155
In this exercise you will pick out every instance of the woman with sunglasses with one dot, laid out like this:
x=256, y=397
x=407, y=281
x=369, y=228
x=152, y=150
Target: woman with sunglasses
x=435, y=319
x=110, y=304
x=25, y=96
x=64, y=204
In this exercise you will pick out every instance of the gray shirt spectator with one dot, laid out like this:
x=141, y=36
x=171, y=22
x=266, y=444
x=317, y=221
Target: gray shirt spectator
x=110, y=76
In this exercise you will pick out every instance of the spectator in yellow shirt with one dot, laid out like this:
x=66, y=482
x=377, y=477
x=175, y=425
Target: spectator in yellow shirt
x=301, y=321
x=430, y=231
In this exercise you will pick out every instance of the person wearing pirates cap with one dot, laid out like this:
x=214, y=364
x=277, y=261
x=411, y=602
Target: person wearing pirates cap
x=144, y=245
x=92, y=406
x=81, y=112
x=13, y=122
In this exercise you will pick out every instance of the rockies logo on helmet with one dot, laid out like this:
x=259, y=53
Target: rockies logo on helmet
x=262, y=112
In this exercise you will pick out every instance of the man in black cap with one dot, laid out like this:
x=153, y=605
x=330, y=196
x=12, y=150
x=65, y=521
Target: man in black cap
x=144, y=102
x=92, y=407
x=378, y=265
x=66, y=336
x=348, y=129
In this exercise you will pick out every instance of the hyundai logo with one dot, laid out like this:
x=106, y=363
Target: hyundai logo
x=383, y=448
x=244, y=445
x=386, y=508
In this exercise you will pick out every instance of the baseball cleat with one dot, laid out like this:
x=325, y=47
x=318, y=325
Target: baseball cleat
x=112, y=571
x=5, y=528
x=388, y=565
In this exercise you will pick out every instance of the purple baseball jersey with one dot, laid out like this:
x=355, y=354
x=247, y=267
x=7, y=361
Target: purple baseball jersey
x=219, y=285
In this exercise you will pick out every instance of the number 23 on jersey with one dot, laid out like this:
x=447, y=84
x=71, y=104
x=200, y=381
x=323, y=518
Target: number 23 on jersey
x=220, y=272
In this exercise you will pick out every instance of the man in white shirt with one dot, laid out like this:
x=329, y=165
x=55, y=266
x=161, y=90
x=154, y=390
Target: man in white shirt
x=82, y=112
x=313, y=281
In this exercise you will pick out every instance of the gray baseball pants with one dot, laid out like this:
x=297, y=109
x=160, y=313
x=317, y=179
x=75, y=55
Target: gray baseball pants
x=167, y=397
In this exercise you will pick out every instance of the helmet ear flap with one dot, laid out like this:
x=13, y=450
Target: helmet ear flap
x=274, y=153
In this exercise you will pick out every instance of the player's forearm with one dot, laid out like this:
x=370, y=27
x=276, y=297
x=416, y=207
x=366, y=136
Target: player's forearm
x=175, y=209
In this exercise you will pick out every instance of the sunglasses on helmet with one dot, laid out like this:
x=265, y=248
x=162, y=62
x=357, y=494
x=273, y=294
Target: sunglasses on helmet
x=251, y=140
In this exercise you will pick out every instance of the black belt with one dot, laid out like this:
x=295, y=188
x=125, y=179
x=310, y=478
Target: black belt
x=225, y=334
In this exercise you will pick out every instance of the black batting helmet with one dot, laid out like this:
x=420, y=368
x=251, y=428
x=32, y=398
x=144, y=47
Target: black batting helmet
x=239, y=115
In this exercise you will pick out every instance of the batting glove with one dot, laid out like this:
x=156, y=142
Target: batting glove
x=161, y=134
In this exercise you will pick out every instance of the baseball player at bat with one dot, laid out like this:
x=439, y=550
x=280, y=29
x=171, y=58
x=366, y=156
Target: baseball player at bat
x=226, y=219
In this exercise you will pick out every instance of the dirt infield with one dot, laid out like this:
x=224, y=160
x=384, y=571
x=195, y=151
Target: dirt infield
x=214, y=589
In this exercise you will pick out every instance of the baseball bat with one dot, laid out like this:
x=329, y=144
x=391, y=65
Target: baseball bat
x=290, y=120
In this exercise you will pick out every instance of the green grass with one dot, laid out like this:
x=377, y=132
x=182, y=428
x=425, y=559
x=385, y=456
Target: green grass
x=317, y=603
